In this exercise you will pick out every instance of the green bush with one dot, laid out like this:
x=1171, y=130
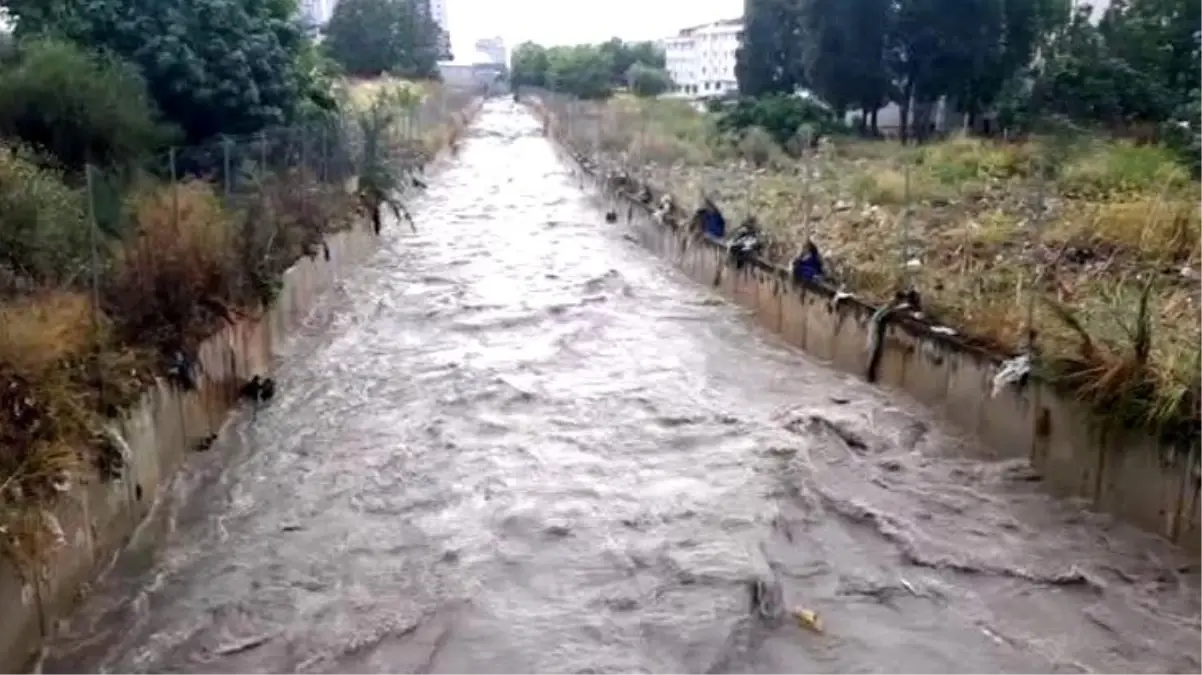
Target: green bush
x=77, y=106
x=780, y=115
x=647, y=81
x=43, y=229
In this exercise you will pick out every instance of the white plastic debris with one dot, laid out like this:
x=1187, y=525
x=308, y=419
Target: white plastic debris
x=874, y=326
x=1011, y=372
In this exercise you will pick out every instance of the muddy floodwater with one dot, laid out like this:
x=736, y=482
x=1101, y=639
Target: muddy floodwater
x=517, y=442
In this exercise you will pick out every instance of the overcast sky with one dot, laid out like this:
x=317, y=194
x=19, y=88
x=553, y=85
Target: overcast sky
x=552, y=22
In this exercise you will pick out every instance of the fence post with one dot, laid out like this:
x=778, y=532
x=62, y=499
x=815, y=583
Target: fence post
x=904, y=247
x=324, y=163
x=94, y=282
x=1037, y=232
x=174, y=192
x=807, y=208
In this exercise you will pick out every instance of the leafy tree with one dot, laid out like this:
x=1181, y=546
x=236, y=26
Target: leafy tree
x=581, y=70
x=372, y=37
x=78, y=106
x=624, y=55
x=528, y=65
x=647, y=81
x=212, y=66
x=769, y=60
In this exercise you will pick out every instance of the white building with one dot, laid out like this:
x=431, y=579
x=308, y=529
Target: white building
x=494, y=48
x=438, y=11
x=701, y=59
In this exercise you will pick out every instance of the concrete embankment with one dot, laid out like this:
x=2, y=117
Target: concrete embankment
x=99, y=520
x=1130, y=474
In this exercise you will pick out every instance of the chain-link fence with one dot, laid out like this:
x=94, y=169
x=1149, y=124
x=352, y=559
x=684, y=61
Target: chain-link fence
x=199, y=232
x=1081, y=254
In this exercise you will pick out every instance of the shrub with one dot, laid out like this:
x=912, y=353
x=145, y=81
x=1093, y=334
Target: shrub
x=780, y=115
x=758, y=146
x=646, y=81
x=43, y=230
x=54, y=350
x=963, y=158
x=171, y=279
x=290, y=217
x=76, y=105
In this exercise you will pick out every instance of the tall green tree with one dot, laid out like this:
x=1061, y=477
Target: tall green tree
x=212, y=66
x=584, y=71
x=770, y=56
x=373, y=37
x=528, y=65
x=623, y=55
x=844, y=49
x=1011, y=36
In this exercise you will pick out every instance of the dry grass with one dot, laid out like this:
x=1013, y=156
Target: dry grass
x=1119, y=220
x=54, y=349
x=364, y=91
x=178, y=267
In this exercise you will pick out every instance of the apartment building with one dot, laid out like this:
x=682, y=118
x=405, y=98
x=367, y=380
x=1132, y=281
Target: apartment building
x=317, y=13
x=701, y=59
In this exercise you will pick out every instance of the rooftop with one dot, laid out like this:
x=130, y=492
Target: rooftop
x=712, y=25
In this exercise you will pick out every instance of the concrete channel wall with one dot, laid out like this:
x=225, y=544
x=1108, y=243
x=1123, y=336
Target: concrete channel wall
x=1130, y=474
x=160, y=432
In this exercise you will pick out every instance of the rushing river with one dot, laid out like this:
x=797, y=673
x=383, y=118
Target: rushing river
x=517, y=442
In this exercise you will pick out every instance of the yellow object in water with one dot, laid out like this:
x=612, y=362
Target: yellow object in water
x=808, y=619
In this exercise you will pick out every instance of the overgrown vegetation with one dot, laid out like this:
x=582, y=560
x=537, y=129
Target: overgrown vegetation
x=119, y=253
x=1106, y=274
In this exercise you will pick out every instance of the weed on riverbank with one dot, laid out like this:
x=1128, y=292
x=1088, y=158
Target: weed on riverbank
x=1085, y=249
x=103, y=290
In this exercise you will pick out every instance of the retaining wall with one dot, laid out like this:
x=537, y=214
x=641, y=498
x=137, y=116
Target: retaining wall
x=160, y=432
x=1128, y=474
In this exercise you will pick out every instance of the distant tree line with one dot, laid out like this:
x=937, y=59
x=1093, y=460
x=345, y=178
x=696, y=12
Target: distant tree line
x=592, y=71
x=1016, y=61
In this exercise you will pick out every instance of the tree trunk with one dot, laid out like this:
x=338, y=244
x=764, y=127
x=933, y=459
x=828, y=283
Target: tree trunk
x=904, y=108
